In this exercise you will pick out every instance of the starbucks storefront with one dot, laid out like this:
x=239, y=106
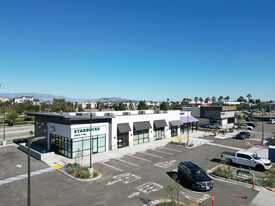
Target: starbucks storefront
x=79, y=140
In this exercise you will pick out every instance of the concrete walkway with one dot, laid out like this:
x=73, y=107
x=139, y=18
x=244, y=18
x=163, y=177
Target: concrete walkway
x=263, y=198
x=194, y=137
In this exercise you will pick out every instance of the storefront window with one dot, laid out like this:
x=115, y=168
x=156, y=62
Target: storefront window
x=61, y=145
x=174, y=131
x=83, y=144
x=141, y=136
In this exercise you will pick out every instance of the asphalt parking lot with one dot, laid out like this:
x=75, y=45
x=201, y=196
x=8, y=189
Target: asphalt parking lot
x=14, y=162
x=130, y=180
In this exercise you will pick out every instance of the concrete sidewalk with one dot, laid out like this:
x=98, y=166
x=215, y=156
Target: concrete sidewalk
x=195, y=137
x=118, y=153
x=263, y=198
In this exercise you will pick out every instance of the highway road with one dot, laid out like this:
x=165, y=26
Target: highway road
x=16, y=132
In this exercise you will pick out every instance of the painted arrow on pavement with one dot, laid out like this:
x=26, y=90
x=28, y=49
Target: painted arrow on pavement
x=111, y=183
x=133, y=194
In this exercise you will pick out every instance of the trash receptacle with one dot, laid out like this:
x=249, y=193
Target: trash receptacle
x=271, y=153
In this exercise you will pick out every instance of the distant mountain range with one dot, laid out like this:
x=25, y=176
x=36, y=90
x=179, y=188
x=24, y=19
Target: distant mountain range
x=45, y=97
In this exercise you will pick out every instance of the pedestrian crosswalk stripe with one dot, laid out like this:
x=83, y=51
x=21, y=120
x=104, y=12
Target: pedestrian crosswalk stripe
x=24, y=176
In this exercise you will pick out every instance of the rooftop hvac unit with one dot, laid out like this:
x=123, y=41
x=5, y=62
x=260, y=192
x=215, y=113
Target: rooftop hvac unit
x=109, y=114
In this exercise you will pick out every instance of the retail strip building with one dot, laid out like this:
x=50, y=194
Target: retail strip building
x=71, y=134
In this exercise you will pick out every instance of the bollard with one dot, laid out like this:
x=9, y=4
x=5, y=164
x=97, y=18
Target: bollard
x=212, y=199
x=253, y=183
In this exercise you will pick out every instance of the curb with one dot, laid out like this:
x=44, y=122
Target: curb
x=209, y=172
x=155, y=202
x=80, y=180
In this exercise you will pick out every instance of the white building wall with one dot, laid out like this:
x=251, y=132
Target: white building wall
x=169, y=116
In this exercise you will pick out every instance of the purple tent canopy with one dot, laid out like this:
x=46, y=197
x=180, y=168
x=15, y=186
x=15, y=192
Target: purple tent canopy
x=186, y=119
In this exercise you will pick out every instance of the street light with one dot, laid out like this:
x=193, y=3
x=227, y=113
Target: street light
x=91, y=144
x=4, y=134
x=30, y=141
x=262, y=127
x=187, y=127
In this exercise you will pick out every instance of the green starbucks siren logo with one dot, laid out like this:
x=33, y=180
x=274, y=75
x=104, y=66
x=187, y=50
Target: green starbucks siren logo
x=86, y=130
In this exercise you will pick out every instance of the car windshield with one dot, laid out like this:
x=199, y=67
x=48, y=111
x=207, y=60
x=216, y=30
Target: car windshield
x=198, y=172
x=256, y=157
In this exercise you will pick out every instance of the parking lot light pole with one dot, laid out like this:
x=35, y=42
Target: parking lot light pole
x=4, y=134
x=262, y=127
x=30, y=141
x=91, y=144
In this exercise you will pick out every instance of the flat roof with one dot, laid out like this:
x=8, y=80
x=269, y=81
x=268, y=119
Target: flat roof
x=67, y=116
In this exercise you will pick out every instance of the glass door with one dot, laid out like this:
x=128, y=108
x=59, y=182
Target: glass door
x=95, y=147
x=123, y=140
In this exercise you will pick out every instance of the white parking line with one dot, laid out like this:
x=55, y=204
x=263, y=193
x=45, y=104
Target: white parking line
x=151, y=154
x=110, y=166
x=127, y=162
x=171, y=149
x=139, y=158
x=163, y=152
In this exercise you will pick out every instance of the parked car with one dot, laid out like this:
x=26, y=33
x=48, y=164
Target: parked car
x=251, y=124
x=212, y=125
x=271, y=121
x=195, y=176
x=245, y=126
x=246, y=158
x=243, y=135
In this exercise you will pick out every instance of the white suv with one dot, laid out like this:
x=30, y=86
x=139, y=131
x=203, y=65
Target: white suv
x=212, y=125
x=245, y=126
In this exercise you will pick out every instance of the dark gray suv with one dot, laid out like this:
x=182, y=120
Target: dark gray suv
x=243, y=135
x=195, y=176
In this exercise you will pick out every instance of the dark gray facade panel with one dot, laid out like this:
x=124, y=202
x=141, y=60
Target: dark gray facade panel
x=123, y=128
x=142, y=125
x=160, y=123
x=41, y=130
x=175, y=123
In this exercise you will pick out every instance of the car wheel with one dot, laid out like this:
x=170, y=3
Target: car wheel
x=260, y=168
x=194, y=186
x=179, y=175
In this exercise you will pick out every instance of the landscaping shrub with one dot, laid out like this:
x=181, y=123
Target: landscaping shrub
x=191, y=145
x=95, y=174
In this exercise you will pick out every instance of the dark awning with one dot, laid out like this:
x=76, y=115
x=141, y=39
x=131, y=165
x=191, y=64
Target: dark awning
x=123, y=128
x=175, y=123
x=160, y=123
x=142, y=125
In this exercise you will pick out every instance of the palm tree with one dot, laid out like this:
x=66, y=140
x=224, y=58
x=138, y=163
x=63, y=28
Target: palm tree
x=227, y=98
x=196, y=100
x=201, y=100
x=213, y=99
x=249, y=97
x=207, y=99
x=220, y=99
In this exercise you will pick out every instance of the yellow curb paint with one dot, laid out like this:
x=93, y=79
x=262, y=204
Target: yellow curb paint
x=177, y=139
x=57, y=166
x=202, y=199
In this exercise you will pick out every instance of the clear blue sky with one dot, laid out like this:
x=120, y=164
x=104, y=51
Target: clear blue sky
x=138, y=49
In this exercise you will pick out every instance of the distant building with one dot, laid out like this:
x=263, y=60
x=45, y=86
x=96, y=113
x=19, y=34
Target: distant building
x=23, y=99
x=4, y=100
x=222, y=116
